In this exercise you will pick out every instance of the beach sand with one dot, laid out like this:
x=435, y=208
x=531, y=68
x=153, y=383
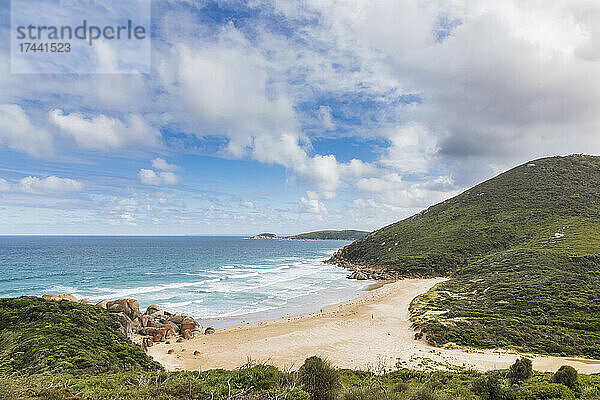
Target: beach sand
x=372, y=332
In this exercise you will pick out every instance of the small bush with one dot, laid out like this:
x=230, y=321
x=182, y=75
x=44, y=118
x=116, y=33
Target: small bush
x=488, y=387
x=567, y=376
x=365, y=393
x=362, y=394
x=56, y=394
x=319, y=378
x=520, y=371
x=544, y=391
x=400, y=387
x=258, y=377
x=425, y=394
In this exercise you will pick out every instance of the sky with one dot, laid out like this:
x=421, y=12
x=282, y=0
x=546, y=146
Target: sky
x=290, y=116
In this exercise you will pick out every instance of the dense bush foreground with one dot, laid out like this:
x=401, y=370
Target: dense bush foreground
x=38, y=336
x=316, y=380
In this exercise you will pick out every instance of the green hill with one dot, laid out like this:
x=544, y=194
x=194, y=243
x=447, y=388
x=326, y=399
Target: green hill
x=45, y=336
x=331, y=235
x=523, y=253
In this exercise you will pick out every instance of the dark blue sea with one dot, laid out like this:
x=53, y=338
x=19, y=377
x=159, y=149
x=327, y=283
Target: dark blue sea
x=220, y=280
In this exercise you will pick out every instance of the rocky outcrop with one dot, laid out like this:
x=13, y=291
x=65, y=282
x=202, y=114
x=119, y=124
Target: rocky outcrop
x=358, y=275
x=129, y=307
x=363, y=271
x=102, y=303
x=68, y=297
x=155, y=324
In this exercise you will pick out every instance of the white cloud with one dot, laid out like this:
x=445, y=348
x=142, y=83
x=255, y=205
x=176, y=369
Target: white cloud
x=150, y=177
x=51, y=185
x=312, y=204
x=392, y=190
x=230, y=89
x=493, y=89
x=102, y=132
x=326, y=118
x=128, y=219
x=4, y=186
x=161, y=164
x=247, y=204
x=18, y=132
x=412, y=149
x=225, y=85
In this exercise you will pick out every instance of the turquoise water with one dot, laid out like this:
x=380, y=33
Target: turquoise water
x=220, y=280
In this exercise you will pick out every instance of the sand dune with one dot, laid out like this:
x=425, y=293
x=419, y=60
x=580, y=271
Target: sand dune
x=370, y=332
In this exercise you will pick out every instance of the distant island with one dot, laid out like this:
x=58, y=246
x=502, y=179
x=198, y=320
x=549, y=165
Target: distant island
x=265, y=236
x=348, y=234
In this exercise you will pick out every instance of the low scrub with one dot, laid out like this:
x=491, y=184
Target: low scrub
x=45, y=336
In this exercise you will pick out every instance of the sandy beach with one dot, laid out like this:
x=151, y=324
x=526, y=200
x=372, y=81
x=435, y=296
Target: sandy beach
x=371, y=332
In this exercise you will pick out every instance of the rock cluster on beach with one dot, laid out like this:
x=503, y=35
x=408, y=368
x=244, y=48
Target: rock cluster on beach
x=362, y=271
x=154, y=325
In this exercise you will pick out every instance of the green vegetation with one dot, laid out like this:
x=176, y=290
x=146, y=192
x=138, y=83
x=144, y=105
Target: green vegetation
x=44, y=336
x=331, y=235
x=567, y=375
x=528, y=300
x=523, y=254
x=524, y=206
x=249, y=382
x=319, y=379
x=267, y=383
x=520, y=371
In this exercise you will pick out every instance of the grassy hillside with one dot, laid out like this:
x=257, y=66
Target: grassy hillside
x=43, y=336
x=332, y=235
x=526, y=204
x=523, y=252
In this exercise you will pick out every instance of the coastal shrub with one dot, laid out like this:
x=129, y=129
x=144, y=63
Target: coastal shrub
x=220, y=385
x=360, y=393
x=366, y=393
x=520, y=371
x=425, y=393
x=257, y=377
x=45, y=336
x=544, y=391
x=319, y=378
x=400, y=387
x=489, y=387
x=566, y=375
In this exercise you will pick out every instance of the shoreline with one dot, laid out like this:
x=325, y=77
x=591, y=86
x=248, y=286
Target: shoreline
x=351, y=292
x=370, y=332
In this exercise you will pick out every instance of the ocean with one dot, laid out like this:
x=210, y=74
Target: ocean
x=219, y=280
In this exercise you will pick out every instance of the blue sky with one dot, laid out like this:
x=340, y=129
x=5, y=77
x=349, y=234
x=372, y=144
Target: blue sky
x=290, y=116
